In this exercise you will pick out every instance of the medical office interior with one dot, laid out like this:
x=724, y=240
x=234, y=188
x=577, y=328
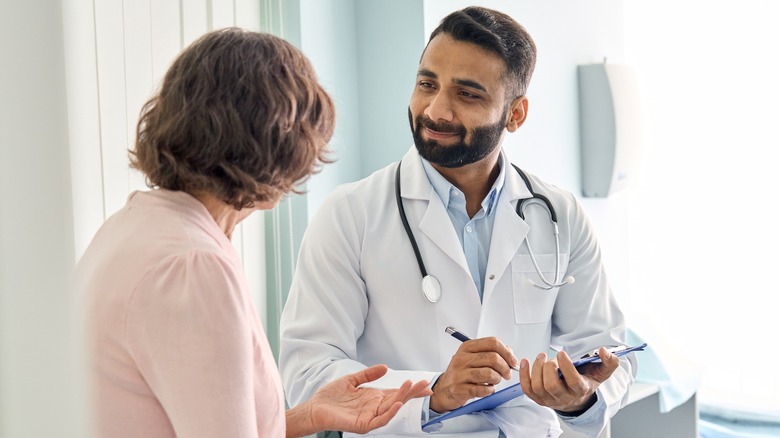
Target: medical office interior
x=687, y=244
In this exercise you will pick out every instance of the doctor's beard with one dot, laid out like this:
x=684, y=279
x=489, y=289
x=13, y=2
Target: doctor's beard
x=484, y=140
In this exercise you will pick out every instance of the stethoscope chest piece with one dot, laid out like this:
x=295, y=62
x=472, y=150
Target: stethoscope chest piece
x=431, y=288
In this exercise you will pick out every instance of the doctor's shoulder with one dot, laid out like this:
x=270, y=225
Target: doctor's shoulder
x=565, y=202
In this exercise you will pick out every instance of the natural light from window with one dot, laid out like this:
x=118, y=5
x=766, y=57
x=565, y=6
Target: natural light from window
x=706, y=236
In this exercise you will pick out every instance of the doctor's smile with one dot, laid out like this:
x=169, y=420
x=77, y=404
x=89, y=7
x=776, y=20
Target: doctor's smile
x=441, y=131
x=437, y=135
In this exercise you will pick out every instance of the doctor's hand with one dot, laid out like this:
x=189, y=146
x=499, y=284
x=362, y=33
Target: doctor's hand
x=574, y=392
x=344, y=405
x=473, y=371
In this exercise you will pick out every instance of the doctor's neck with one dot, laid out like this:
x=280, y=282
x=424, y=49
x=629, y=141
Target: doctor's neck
x=474, y=180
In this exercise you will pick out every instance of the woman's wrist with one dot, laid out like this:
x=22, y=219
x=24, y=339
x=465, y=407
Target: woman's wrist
x=300, y=421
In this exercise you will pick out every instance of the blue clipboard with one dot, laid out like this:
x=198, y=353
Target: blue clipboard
x=500, y=397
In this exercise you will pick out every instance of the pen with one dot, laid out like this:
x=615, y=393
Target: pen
x=455, y=333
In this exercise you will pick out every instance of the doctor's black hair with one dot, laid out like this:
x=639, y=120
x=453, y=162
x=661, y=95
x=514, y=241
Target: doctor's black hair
x=499, y=33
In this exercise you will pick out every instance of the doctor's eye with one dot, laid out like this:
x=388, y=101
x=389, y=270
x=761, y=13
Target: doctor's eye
x=426, y=84
x=468, y=95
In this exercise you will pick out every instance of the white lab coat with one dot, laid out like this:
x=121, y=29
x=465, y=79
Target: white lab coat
x=356, y=298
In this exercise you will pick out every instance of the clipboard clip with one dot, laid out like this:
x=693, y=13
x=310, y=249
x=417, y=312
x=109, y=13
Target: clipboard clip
x=615, y=350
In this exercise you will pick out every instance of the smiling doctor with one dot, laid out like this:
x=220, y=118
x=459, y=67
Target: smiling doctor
x=454, y=235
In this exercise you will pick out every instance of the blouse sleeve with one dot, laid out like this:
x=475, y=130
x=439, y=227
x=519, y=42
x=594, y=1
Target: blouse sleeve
x=188, y=329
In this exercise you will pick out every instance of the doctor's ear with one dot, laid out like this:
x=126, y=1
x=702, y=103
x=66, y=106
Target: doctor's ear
x=518, y=111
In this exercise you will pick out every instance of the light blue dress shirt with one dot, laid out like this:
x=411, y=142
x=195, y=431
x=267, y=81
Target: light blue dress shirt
x=474, y=233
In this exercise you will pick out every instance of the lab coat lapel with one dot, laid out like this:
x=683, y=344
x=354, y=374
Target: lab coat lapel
x=437, y=226
x=509, y=230
x=434, y=223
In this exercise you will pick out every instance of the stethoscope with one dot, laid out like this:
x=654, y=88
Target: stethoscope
x=431, y=287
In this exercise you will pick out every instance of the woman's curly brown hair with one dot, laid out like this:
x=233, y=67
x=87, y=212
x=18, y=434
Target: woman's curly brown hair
x=240, y=115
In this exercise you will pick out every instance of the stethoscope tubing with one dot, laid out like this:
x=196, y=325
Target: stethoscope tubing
x=430, y=284
x=405, y=221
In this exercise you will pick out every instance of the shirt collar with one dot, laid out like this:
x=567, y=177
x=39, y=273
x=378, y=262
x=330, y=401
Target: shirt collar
x=444, y=188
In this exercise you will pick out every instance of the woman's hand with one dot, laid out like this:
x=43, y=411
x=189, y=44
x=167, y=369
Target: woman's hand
x=342, y=405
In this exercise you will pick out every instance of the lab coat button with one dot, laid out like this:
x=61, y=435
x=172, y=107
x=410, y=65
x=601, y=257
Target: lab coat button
x=492, y=277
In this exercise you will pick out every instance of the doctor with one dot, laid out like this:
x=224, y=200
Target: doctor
x=357, y=299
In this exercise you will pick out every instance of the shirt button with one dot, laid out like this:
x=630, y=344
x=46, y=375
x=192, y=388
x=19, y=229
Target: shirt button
x=468, y=228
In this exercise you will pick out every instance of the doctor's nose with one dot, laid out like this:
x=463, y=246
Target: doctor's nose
x=439, y=108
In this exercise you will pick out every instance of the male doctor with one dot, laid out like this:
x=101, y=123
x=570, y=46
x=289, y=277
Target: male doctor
x=357, y=300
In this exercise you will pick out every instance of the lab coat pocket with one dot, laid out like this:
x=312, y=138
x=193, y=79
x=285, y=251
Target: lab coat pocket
x=534, y=305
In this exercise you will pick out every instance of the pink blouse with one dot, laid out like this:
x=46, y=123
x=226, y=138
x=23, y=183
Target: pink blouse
x=176, y=346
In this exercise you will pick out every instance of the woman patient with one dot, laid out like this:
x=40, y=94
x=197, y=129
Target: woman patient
x=176, y=346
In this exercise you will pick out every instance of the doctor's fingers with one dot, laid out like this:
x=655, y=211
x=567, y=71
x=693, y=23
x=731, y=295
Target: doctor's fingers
x=532, y=377
x=601, y=371
x=472, y=374
x=558, y=377
x=485, y=359
x=461, y=393
x=504, y=357
x=556, y=382
x=567, y=375
x=451, y=392
x=562, y=381
x=538, y=373
x=553, y=392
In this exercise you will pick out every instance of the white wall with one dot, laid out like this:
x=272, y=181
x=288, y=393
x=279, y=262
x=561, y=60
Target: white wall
x=365, y=53
x=705, y=247
x=328, y=38
x=39, y=386
x=392, y=39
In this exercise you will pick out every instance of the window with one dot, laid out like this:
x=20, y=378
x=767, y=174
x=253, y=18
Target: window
x=705, y=238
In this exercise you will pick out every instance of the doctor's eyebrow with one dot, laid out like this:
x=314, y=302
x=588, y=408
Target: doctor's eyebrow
x=464, y=82
x=471, y=84
x=426, y=73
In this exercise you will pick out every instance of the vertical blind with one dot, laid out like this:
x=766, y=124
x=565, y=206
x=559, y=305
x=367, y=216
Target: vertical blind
x=117, y=52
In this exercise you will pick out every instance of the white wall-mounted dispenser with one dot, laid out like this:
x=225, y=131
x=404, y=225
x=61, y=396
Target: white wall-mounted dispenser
x=611, y=134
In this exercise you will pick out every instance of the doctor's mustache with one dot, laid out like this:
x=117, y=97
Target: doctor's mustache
x=424, y=121
x=447, y=127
